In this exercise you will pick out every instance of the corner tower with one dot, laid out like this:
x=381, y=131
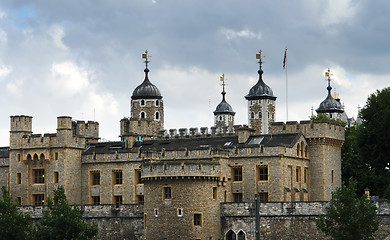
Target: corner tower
x=147, y=103
x=261, y=103
x=224, y=114
x=330, y=107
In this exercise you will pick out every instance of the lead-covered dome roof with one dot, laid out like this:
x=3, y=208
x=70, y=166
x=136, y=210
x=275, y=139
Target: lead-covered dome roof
x=330, y=105
x=146, y=90
x=260, y=90
x=224, y=108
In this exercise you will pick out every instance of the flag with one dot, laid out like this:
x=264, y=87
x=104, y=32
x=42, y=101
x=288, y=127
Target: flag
x=222, y=77
x=285, y=58
x=144, y=55
x=258, y=56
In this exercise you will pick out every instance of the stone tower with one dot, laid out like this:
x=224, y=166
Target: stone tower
x=146, y=111
x=224, y=114
x=261, y=104
x=330, y=107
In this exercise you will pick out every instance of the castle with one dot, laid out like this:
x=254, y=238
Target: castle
x=180, y=176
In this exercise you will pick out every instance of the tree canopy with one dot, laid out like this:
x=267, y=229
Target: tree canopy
x=366, y=150
x=349, y=217
x=13, y=224
x=63, y=221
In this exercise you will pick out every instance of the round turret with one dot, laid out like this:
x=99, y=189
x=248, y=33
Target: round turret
x=146, y=90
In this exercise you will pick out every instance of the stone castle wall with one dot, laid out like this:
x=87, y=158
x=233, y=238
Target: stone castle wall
x=278, y=220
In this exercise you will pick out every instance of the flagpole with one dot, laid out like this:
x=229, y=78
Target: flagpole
x=286, y=66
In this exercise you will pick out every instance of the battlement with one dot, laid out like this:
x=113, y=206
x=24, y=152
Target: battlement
x=21, y=123
x=311, y=129
x=199, y=132
x=196, y=169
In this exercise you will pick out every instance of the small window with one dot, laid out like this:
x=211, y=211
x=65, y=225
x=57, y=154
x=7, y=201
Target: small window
x=96, y=200
x=332, y=173
x=56, y=156
x=305, y=175
x=198, y=219
x=306, y=151
x=18, y=157
x=298, y=149
x=140, y=199
x=156, y=212
x=29, y=157
x=237, y=197
x=237, y=173
x=55, y=178
x=142, y=102
x=118, y=177
x=215, y=193
x=167, y=193
x=259, y=115
x=18, y=178
x=157, y=103
x=39, y=199
x=157, y=115
x=220, y=118
x=143, y=115
x=263, y=197
x=39, y=175
x=180, y=212
x=118, y=200
x=298, y=174
x=96, y=178
x=263, y=173
x=252, y=115
x=19, y=201
x=137, y=176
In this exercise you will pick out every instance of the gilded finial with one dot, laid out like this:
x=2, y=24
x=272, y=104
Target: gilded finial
x=222, y=79
x=260, y=57
x=146, y=56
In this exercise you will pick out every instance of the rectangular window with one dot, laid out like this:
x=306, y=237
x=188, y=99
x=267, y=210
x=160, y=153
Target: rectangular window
x=96, y=200
x=95, y=178
x=237, y=197
x=18, y=178
x=118, y=176
x=56, y=156
x=39, y=175
x=298, y=174
x=39, y=199
x=118, y=200
x=305, y=175
x=140, y=199
x=55, y=178
x=19, y=201
x=198, y=219
x=332, y=176
x=167, y=193
x=137, y=176
x=263, y=197
x=18, y=157
x=237, y=173
x=263, y=173
x=215, y=196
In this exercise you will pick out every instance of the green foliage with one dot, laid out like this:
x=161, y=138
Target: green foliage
x=321, y=117
x=348, y=216
x=13, y=224
x=373, y=141
x=63, y=221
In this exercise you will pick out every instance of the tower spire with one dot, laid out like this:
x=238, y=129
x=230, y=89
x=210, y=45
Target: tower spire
x=260, y=57
x=222, y=78
x=327, y=75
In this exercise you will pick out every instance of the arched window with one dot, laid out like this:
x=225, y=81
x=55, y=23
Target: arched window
x=241, y=235
x=157, y=115
x=302, y=148
x=42, y=157
x=306, y=151
x=157, y=103
x=29, y=157
x=143, y=115
x=220, y=118
x=298, y=149
x=35, y=158
x=259, y=115
x=252, y=115
x=230, y=235
x=142, y=102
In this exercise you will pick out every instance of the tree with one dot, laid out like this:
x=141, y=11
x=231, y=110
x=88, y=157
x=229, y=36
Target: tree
x=348, y=216
x=13, y=224
x=374, y=140
x=63, y=221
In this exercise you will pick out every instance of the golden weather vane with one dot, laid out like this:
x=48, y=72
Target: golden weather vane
x=260, y=57
x=146, y=57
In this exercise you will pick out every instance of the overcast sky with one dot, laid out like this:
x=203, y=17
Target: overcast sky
x=83, y=58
